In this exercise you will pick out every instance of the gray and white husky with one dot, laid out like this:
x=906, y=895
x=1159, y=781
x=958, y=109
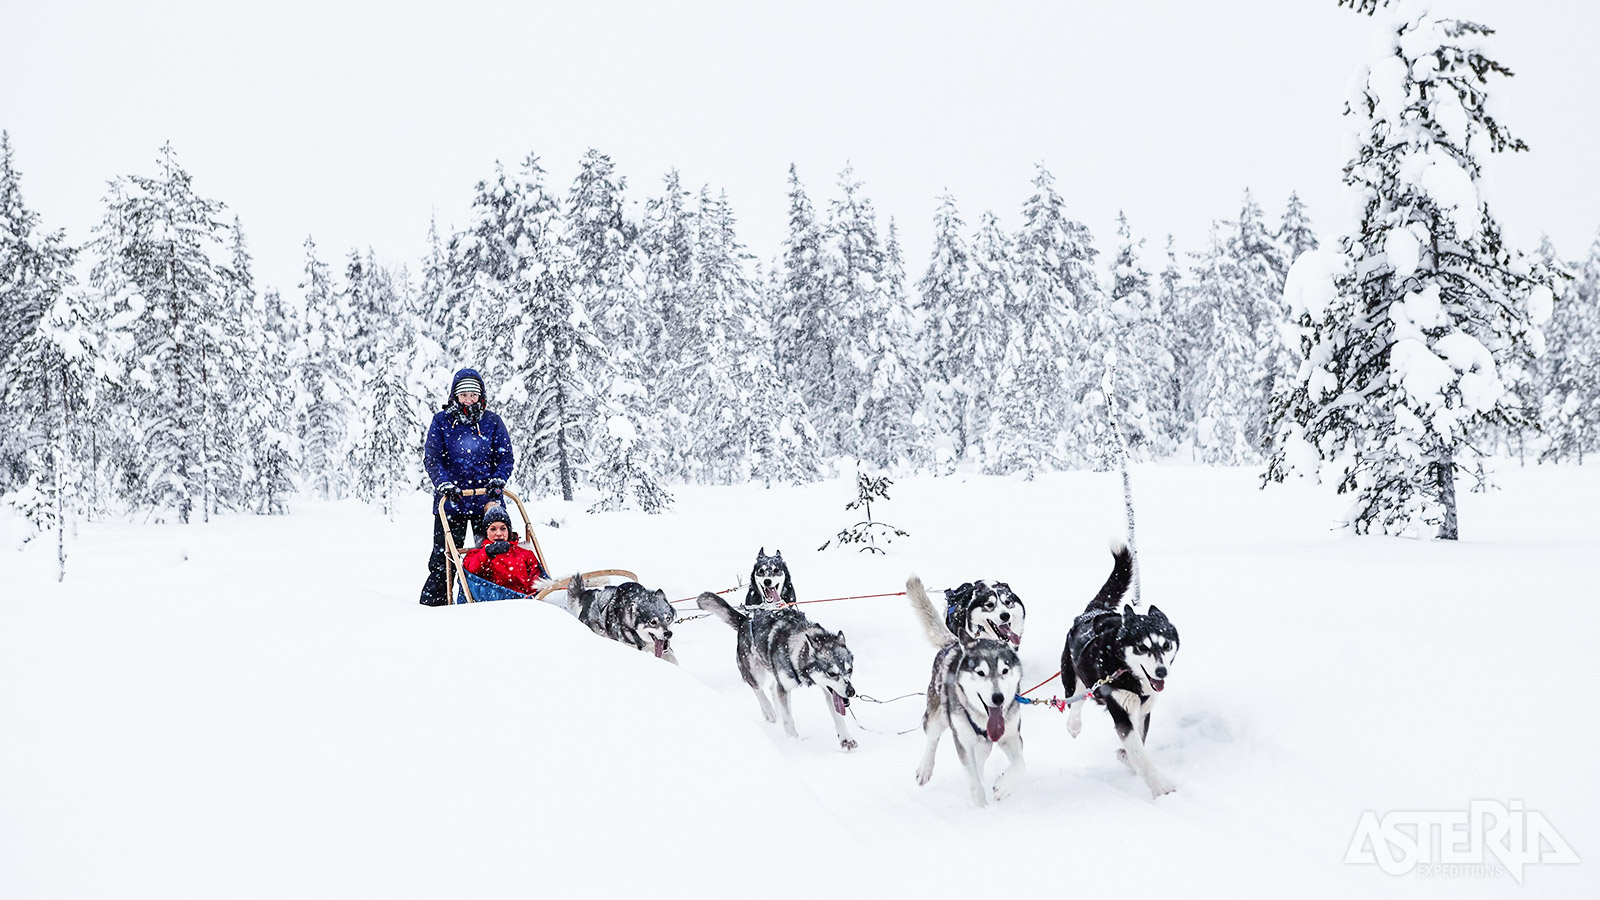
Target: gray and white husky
x=770, y=581
x=628, y=613
x=782, y=650
x=973, y=695
x=977, y=609
x=1134, y=651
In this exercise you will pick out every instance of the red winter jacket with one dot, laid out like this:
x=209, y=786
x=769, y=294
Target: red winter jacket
x=517, y=568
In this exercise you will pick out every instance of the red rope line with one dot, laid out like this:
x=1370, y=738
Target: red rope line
x=856, y=597
x=1040, y=684
x=798, y=602
x=697, y=596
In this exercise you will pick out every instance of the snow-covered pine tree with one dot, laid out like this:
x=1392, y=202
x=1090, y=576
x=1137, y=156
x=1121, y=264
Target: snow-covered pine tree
x=35, y=269
x=551, y=400
x=267, y=409
x=386, y=455
x=608, y=276
x=1571, y=412
x=784, y=447
x=1146, y=408
x=887, y=428
x=866, y=533
x=805, y=315
x=326, y=382
x=854, y=280
x=51, y=382
x=607, y=264
x=948, y=297
x=159, y=251
x=489, y=273
x=981, y=334
x=1404, y=329
x=713, y=416
x=1035, y=424
x=231, y=348
x=617, y=468
x=1295, y=234
x=1223, y=380
x=1173, y=297
x=1257, y=262
x=392, y=407
x=667, y=240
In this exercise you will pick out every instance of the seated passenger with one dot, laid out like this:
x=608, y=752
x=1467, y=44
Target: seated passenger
x=500, y=559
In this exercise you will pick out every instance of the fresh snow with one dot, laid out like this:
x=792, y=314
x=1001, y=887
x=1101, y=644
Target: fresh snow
x=257, y=707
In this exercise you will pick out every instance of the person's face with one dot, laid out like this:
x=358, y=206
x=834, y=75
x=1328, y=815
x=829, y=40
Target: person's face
x=467, y=398
x=499, y=531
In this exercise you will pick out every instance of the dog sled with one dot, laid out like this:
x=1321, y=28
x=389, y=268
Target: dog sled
x=464, y=587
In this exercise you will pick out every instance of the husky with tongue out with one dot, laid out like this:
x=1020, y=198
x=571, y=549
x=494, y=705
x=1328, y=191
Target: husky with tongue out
x=628, y=613
x=977, y=609
x=1124, y=655
x=973, y=695
x=770, y=582
x=782, y=650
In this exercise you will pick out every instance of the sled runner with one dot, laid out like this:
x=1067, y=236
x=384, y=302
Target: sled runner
x=464, y=587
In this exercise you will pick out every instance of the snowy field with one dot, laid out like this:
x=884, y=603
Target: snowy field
x=257, y=707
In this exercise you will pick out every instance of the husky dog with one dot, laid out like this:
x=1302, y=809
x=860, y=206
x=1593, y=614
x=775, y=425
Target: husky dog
x=973, y=693
x=1104, y=642
x=784, y=649
x=769, y=580
x=978, y=609
x=627, y=613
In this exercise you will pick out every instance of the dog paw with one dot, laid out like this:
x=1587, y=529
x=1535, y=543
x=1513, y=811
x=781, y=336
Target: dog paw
x=1074, y=724
x=1159, y=786
x=923, y=774
x=1002, y=787
x=848, y=744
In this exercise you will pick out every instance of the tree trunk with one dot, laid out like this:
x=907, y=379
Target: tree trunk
x=562, y=462
x=1445, y=479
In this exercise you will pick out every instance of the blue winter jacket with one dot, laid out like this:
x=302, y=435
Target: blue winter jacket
x=466, y=452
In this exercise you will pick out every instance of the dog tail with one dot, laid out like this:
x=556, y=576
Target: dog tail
x=1116, y=586
x=575, y=594
x=719, y=607
x=932, y=623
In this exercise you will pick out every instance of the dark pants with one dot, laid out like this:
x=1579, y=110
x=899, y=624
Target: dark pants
x=433, y=591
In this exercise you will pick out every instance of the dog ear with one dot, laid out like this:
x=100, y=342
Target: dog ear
x=777, y=554
x=1156, y=611
x=762, y=551
x=806, y=651
x=1125, y=628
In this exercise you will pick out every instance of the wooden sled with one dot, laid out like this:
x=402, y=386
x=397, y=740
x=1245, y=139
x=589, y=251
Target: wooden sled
x=464, y=587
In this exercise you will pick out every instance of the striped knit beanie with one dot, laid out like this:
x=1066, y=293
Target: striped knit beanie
x=469, y=384
x=496, y=513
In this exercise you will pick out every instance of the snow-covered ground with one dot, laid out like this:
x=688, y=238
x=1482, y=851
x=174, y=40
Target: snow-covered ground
x=257, y=707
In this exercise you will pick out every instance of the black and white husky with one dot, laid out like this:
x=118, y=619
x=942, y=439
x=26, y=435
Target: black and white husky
x=1135, y=651
x=769, y=580
x=973, y=695
x=783, y=649
x=627, y=613
x=977, y=609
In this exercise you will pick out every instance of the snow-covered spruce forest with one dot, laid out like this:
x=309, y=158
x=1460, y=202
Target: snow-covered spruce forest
x=631, y=347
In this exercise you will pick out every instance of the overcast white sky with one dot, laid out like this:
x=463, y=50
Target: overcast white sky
x=352, y=122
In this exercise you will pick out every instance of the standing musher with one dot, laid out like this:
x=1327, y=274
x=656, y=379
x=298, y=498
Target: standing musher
x=468, y=448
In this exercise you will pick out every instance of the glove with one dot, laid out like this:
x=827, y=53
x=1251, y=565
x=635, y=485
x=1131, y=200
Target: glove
x=450, y=491
x=496, y=548
x=496, y=485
